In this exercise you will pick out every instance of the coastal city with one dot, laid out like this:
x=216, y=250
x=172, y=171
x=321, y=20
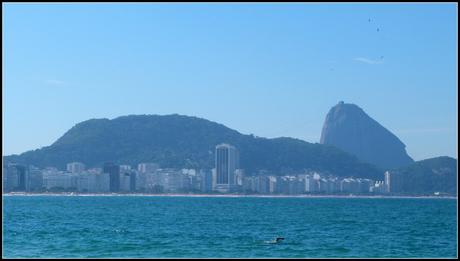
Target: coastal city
x=230, y=131
x=225, y=178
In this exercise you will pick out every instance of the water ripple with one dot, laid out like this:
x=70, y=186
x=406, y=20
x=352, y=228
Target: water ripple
x=139, y=227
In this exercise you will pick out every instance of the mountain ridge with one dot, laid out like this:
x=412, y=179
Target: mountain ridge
x=176, y=140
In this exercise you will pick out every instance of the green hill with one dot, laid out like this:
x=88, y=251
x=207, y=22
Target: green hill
x=182, y=141
x=431, y=175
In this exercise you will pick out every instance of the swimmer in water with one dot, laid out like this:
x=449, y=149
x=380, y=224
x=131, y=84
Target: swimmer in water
x=276, y=240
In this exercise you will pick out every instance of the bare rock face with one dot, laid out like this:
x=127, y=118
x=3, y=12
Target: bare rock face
x=349, y=128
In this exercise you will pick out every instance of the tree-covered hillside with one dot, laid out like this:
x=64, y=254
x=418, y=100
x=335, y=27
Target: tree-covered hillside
x=183, y=141
x=430, y=175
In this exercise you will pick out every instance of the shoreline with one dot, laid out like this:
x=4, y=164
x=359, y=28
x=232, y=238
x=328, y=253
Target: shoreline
x=217, y=195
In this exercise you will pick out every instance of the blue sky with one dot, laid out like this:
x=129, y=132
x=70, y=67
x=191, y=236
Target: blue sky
x=268, y=69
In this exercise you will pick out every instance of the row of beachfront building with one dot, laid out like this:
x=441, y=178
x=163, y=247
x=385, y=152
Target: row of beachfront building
x=225, y=177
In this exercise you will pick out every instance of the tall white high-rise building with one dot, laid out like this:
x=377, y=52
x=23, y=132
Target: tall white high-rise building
x=272, y=184
x=387, y=181
x=214, y=178
x=227, y=161
x=393, y=182
x=239, y=175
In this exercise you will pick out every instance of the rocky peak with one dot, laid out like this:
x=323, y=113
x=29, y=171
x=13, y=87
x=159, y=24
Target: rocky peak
x=349, y=128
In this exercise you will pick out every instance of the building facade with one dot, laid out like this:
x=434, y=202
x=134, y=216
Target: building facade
x=114, y=173
x=226, y=163
x=75, y=167
x=15, y=178
x=147, y=167
x=393, y=182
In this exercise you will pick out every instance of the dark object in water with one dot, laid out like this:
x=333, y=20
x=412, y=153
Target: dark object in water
x=276, y=240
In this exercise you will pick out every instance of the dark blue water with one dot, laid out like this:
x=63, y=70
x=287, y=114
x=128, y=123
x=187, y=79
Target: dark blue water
x=135, y=226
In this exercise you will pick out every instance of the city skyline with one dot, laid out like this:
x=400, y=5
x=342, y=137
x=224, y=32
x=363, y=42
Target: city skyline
x=230, y=130
x=226, y=177
x=284, y=65
x=110, y=179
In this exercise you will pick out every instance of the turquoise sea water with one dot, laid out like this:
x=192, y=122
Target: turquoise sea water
x=138, y=226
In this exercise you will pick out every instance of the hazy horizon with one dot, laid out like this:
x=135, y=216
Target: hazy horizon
x=270, y=70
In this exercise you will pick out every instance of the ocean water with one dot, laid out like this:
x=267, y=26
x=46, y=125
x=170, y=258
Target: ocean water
x=206, y=227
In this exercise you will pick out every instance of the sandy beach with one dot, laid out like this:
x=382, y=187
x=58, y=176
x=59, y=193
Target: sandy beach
x=217, y=195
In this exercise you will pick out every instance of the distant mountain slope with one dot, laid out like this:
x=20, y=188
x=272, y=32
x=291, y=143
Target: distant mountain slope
x=183, y=141
x=431, y=175
x=349, y=128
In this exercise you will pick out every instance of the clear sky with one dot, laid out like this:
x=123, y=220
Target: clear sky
x=267, y=69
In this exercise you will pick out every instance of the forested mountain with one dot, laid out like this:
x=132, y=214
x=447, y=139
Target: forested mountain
x=183, y=141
